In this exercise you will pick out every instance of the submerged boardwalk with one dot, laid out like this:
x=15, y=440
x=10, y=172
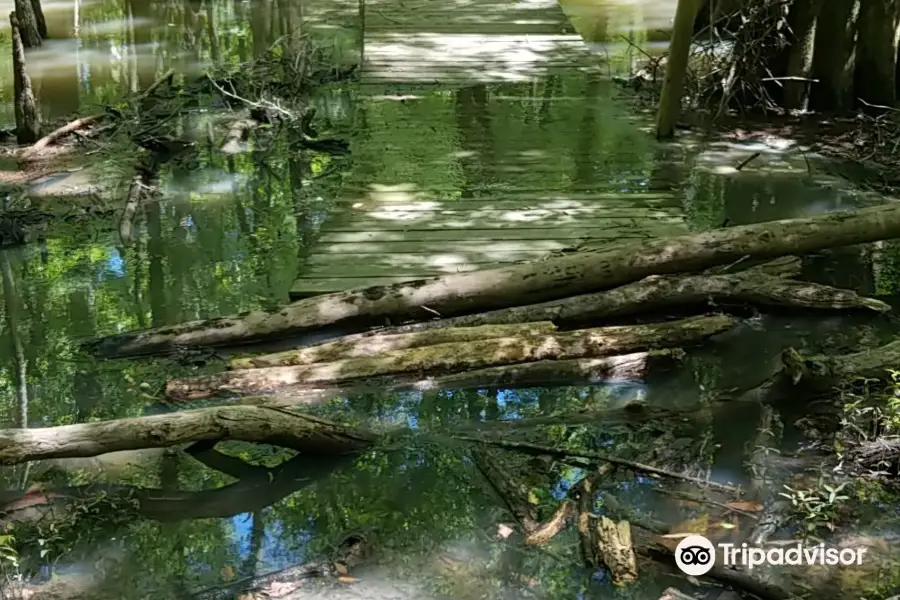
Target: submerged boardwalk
x=486, y=135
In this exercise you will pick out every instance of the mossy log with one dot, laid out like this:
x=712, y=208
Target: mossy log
x=357, y=347
x=455, y=357
x=261, y=424
x=519, y=284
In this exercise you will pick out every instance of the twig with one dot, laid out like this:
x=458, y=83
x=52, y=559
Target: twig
x=747, y=161
x=529, y=448
x=269, y=105
x=700, y=500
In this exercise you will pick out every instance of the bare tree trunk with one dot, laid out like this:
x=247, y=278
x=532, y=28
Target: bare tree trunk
x=802, y=20
x=673, y=86
x=833, y=56
x=39, y=19
x=519, y=284
x=28, y=120
x=27, y=23
x=875, y=76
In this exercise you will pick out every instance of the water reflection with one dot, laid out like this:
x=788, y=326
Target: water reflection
x=231, y=234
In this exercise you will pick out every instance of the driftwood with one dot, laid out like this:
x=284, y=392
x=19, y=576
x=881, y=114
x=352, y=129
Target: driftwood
x=616, y=551
x=261, y=424
x=519, y=284
x=28, y=118
x=456, y=357
x=373, y=346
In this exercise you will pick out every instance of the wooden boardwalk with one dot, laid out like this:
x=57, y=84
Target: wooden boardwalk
x=485, y=137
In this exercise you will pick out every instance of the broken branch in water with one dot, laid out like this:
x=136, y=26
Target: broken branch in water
x=588, y=456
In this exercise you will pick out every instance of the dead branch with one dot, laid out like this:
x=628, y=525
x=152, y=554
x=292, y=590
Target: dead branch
x=580, y=456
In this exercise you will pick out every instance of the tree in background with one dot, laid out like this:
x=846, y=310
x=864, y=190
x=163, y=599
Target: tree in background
x=679, y=51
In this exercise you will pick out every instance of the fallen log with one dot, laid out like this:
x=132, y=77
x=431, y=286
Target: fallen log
x=61, y=132
x=454, y=357
x=664, y=292
x=376, y=345
x=261, y=424
x=627, y=367
x=569, y=309
x=518, y=284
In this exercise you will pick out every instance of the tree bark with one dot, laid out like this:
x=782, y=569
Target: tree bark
x=833, y=56
x=28, y=119
x=676, y=69
x=376, y=345
x=27, y=23
x=628, y=367
x=519, y=284
x=875, y=77
x=664, y=292
x=259, y=424
x=614, y=546
x=39, y=19
x=455, y=357
x=802, y=21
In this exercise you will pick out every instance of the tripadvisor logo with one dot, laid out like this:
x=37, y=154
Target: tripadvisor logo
x=695, y=555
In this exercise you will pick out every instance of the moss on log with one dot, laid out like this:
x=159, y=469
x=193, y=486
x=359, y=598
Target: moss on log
x=455, y=357
x=519, y=284
x=243, y=423
x=357, y=347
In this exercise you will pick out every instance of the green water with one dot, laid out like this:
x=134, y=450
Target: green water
x=232, y=234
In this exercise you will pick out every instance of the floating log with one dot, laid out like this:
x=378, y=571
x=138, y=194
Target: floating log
x=376, y=345
x=519, y=284
x=454, y=357
x=261, y=424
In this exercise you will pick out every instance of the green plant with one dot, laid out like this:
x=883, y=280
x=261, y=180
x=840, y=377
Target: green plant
x=817, y=507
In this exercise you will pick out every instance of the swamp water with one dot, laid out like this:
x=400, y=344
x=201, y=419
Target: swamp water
x=232, y=233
